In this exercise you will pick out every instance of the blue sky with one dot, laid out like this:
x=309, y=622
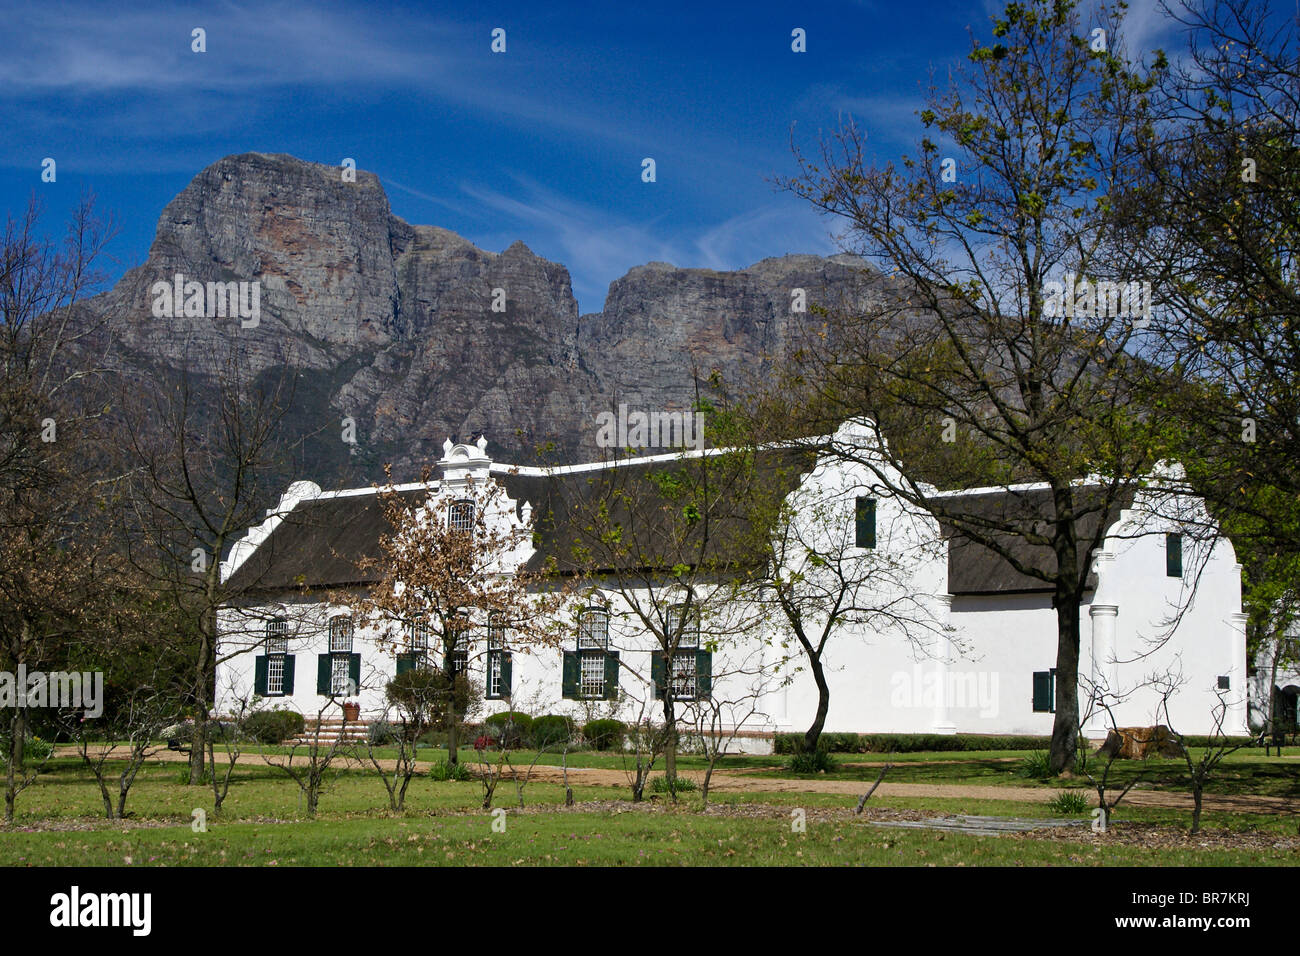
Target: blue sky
x=543, y=143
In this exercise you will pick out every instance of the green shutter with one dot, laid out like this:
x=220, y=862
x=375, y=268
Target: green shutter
x=1044, y=692
x=569, y=676
x=703, y=674
x=288, y=673
x=354, y=673
x=611, y=675
x=505, y=673
x=1174, y=555
x=323, y=674
x=405, y=662
x=259, y=675
x=657, y=673
x=866, y=523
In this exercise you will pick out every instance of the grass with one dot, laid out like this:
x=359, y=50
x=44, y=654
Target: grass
x=676, y=838
x=262, y=822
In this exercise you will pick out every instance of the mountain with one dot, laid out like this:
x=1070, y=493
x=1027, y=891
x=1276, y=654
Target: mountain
x=394, y=326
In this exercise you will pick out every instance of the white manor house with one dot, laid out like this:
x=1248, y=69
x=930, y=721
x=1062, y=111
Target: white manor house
x=986, y=668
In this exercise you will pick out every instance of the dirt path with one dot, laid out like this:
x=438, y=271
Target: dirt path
x=746, y=781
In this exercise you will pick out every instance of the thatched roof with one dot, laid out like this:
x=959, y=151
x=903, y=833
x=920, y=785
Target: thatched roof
x=322, y=542
x=974, y=568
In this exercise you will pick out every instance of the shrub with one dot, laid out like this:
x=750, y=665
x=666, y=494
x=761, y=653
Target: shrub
x=1035, y=766
x=553, y=729
x=818, y=762
x=426, y=692
x=34, y=748
x=683, y=785
x=381, y=733
x=442, y=771
x=908, y=743
x=604, y=734
x=274, y=726
x=1069, y=803
x=510, y=727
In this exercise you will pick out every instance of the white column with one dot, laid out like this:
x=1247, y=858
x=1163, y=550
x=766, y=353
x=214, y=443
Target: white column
x=1105, y=665
x=1235, y=721
x=943, y=652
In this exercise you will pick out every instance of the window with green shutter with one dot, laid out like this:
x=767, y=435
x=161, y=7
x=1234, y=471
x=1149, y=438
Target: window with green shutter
x=703, y=674
x=611, y=676
x=276, y=676
x=569, y=676
x=405, y=662
x=1174, y=555
x=324, y=669
x=259, y=675
x=657, y=673
x=1045, y=692
x=865, y=522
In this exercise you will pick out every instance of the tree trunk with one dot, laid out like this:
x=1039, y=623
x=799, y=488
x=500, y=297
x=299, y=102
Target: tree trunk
x=670, y=741
x=814, y=732
x=1065, y=729
x=1066, y=600
x=11, y=782
x=1196, y=808
x=20, y=736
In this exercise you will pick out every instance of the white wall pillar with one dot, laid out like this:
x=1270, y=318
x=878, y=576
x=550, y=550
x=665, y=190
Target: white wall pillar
x=943, y=653
x=1235, y=720
x=1105, y=664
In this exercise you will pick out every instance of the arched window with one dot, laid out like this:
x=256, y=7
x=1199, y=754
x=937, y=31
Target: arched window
x=460, y=515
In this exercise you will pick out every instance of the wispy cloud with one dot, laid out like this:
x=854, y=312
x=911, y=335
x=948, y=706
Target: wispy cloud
x=599, y=245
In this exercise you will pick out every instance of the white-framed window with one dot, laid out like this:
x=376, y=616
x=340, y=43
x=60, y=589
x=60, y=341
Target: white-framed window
x=277, y=636
x=339, y=675
x=275, y=675
x=495, y=666
x=690, y=630
x=591, y=675
x=683, y=676
x=460, y=515
x=277, y=649
x=417, y=636
x=340, y=635
x=496, y=632
x=593, y=629
x=496, y=639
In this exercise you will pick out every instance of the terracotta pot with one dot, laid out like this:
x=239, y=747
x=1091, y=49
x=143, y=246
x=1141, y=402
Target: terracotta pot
x=351, y=712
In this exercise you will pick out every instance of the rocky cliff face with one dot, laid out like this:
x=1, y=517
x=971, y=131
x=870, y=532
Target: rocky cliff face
x=394, y=325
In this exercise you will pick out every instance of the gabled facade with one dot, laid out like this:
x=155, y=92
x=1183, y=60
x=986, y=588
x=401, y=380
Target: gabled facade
x=980, y=660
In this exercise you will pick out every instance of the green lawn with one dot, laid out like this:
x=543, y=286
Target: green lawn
x=263, y=822
x=600, y=838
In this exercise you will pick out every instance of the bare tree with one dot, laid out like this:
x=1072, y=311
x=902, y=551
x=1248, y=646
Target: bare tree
x=1102, y=699
x=659, y=547
x=135, y=727
x=1218, y=746
x=319, y=750
x=836, y=571
x=57, y=576
x=717, y=721
x=204, y=450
